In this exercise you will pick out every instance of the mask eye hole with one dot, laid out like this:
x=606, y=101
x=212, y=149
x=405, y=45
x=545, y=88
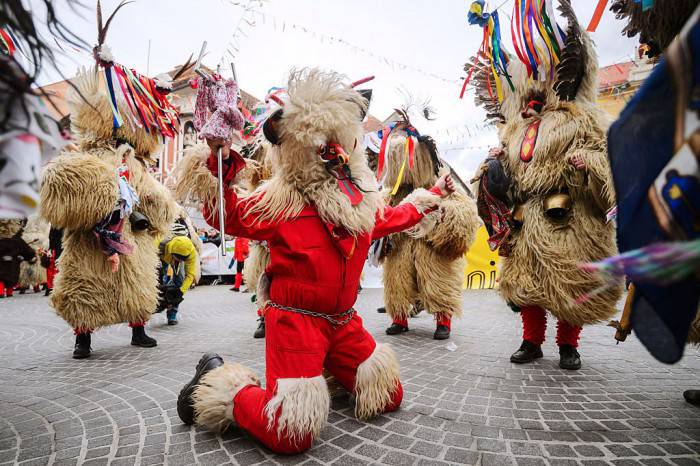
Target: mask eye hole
x=271, y=128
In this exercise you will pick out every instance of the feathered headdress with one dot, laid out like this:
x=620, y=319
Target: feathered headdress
x=139, y=111
x=656, y=25
x=547, y=56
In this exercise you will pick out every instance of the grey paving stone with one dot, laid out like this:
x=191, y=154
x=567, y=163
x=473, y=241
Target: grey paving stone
x=461, y=456
x=464, y=407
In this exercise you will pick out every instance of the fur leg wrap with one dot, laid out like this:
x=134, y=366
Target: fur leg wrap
x=423, y=200
x=300, y=407
x=376, y=382
x=213, y=397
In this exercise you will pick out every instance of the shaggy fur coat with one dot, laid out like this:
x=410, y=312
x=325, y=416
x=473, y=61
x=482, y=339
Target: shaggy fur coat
x=427, y=271
x=543, y=266
x=36, y=235
x=78, y=190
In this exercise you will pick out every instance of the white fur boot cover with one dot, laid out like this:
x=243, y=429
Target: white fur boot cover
x=376, y=382
x=213, y=397
x=304, y=403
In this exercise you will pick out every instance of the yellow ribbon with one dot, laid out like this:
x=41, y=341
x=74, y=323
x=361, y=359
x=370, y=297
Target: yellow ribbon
x=403, y=166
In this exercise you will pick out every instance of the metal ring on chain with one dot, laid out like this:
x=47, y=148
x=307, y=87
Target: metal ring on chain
x=346, y=316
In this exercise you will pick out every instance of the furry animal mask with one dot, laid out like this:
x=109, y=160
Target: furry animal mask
x=319, y=109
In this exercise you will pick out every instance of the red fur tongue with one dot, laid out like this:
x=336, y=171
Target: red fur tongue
x=350, y=190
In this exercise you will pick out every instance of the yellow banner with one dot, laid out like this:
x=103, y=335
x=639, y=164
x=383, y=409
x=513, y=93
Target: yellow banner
x=482, y=270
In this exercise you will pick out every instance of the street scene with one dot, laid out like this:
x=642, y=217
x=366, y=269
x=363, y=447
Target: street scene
x=311, y=232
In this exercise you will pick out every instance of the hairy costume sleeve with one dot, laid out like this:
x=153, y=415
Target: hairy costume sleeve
x=155, y=202
x=599, y=175
x=456, y=229
x=406, y=215
x=77, y=191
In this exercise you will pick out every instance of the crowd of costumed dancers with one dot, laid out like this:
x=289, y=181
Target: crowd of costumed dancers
x=577, y=208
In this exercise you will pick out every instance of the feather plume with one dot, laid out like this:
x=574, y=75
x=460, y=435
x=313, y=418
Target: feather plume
x=571, y=69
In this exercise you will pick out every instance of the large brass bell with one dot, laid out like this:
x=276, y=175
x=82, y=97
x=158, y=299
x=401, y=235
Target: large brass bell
x=557, y=206
x=518, y=215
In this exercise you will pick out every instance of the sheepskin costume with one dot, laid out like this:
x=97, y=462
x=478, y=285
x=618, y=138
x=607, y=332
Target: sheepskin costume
x=426, y=268
x=36, y=235
x=79, y=189
x=319, y=237
x=559, y=211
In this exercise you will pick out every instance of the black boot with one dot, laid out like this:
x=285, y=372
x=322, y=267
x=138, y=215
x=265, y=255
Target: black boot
x=395, y=329
x=442, y=332
x=569, y=358
x=381, y=310
x=139, y=338
x=260, y=331
x=185, y=404
x=692, y=397
x=82, y=346
x=47, y=291
x=527, y=352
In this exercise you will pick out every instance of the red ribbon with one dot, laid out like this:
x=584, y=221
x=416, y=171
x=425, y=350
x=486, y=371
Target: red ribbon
x=597, y=15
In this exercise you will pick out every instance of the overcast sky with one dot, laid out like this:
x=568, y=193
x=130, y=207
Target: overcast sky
x=431, y=35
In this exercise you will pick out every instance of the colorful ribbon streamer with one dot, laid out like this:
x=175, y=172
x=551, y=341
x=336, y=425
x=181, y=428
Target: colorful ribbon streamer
x=532, y=19
x=148, y=106
x=491, y=55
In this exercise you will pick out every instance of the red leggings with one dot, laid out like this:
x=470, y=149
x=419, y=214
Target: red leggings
x=440, y=319
x=535, y=324
x=79, y=330
x=51, y=273
x=300, y=346
x=6, y=289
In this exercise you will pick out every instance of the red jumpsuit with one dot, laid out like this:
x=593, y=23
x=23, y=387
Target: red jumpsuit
x=316, y=267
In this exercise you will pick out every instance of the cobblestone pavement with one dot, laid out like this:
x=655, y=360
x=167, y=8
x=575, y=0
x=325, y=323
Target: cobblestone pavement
x=467, y=406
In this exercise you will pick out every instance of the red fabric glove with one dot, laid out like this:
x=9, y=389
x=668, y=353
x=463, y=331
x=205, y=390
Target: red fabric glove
x=231, y=166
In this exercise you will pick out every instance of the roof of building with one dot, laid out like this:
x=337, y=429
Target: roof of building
x=614, y=75
x=371, y=124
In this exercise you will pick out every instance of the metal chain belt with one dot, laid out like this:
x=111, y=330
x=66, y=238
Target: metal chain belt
x=344, y=316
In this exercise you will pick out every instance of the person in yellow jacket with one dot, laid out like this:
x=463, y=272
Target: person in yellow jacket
x=180, y=254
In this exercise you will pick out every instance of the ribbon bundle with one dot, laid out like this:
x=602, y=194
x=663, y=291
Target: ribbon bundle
x=531, y=18
x=149, y=106
x=491, y=55
x=7, y=42
x=409, y=152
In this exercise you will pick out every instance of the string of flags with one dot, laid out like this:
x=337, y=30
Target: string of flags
x=282, y=25
x=251, y=9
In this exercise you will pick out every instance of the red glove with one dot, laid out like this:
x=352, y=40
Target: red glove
x=231, y=165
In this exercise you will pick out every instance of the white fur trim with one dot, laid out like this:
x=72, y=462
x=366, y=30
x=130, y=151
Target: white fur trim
x=164, y=81
x=262, y=296
x=303, y=406
x=422, y=199
x=104, y=53
x=376, y=381
x=213, y=397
